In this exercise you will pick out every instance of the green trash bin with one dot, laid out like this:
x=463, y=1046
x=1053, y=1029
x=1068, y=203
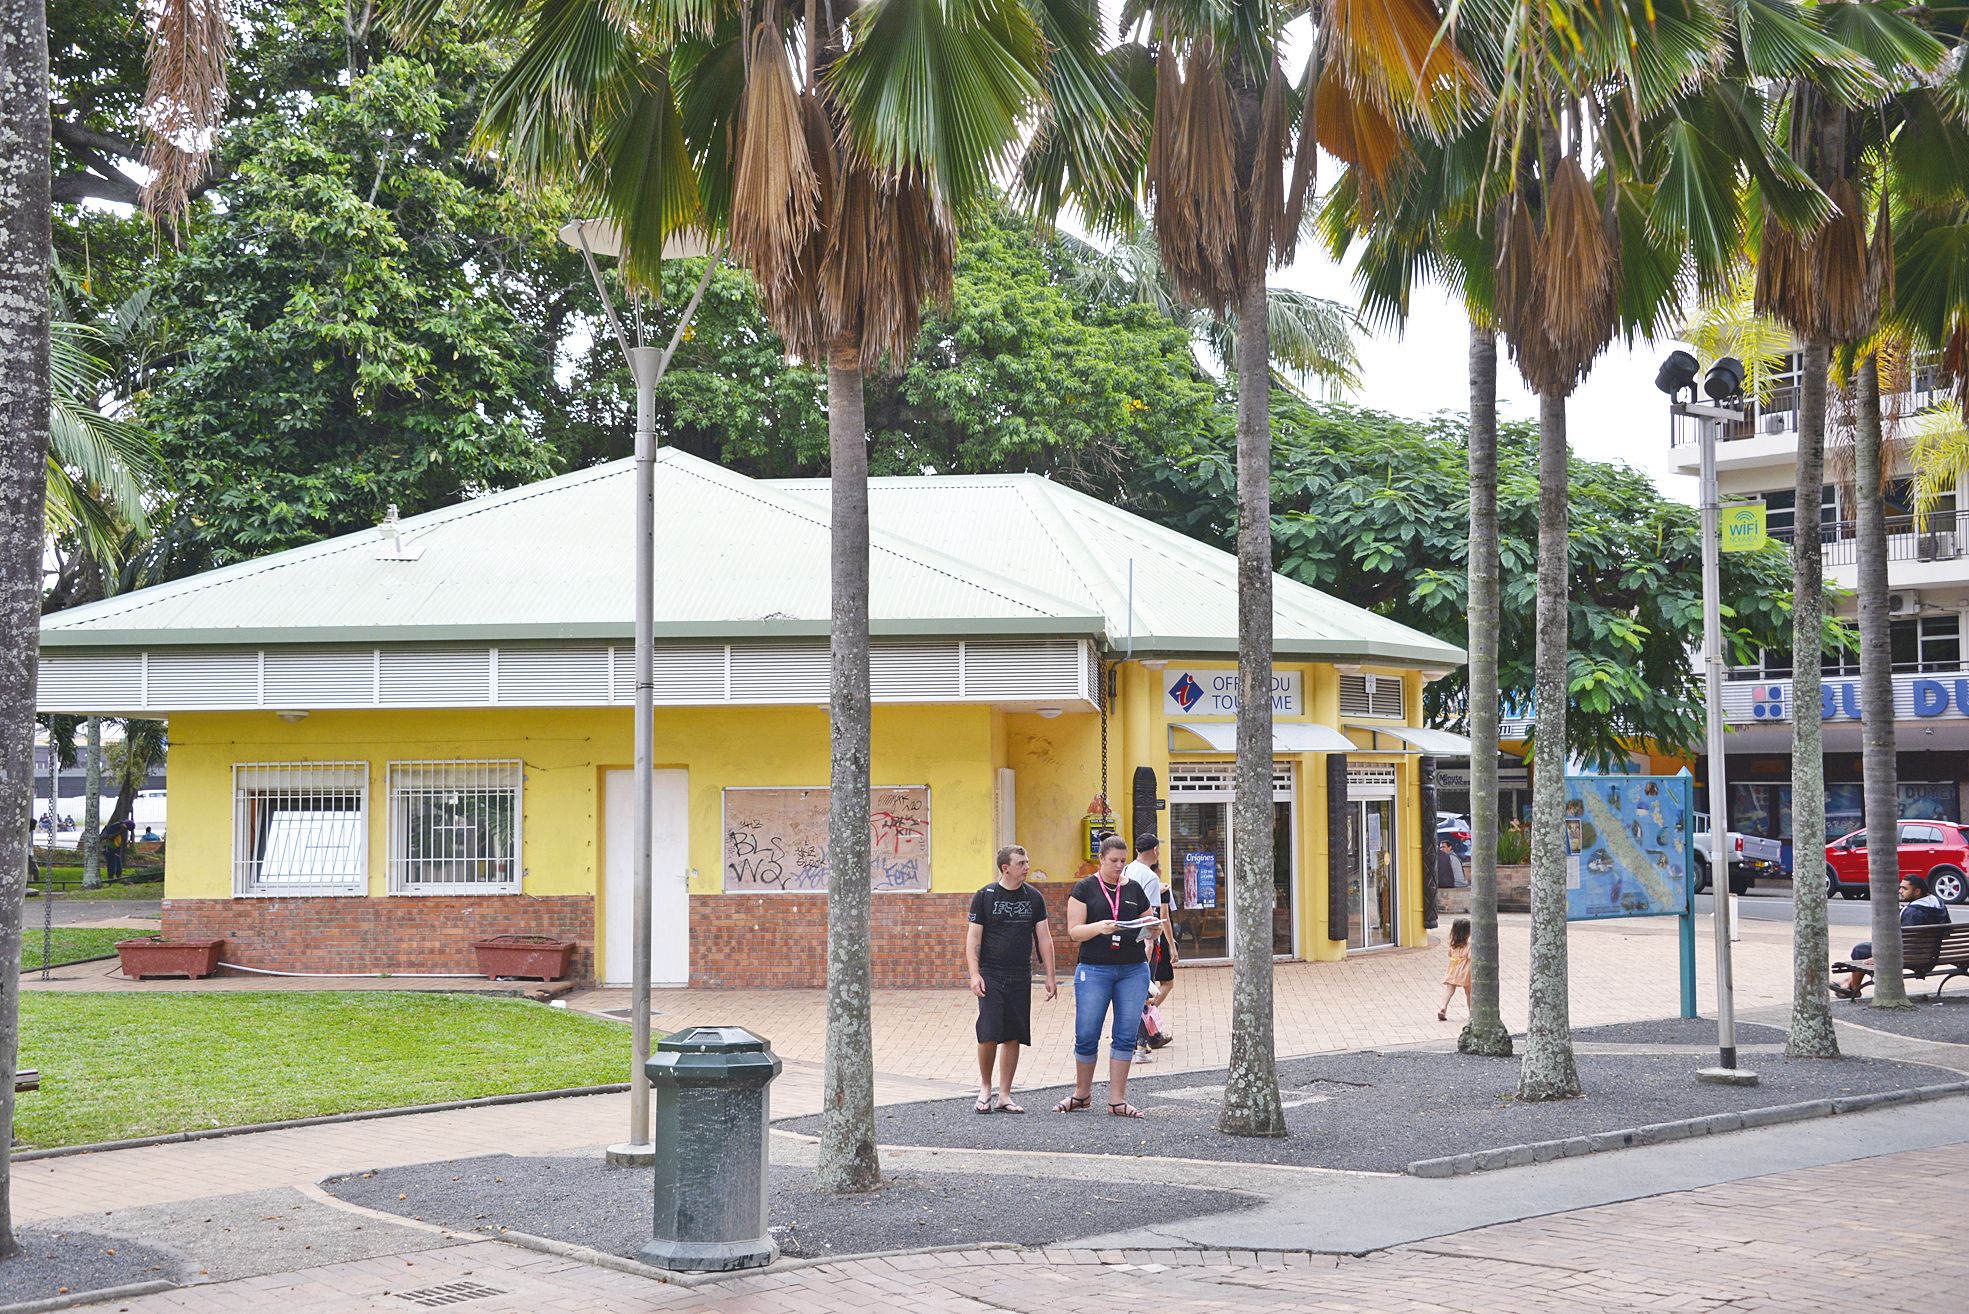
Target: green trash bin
x=711, y=1127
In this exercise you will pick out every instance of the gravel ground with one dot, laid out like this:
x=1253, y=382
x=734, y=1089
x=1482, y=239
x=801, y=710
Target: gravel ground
x=580, y=1199
x=1947, y=1021
x=56, y=1261
x=1670, y=1031
x=1379, y=1112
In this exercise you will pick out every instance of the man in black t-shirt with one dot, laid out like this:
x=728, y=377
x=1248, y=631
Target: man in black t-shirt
x=1008, y=918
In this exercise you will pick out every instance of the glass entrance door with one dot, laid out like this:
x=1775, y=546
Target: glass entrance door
x=1197, y=869
x=1372, y=882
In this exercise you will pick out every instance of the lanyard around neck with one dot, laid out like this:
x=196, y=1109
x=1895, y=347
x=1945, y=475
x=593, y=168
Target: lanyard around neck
x=1114, y=899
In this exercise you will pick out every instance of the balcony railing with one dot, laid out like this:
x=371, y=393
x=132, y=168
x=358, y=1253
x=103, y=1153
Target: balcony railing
x=1942, y=536
x=1777, y=413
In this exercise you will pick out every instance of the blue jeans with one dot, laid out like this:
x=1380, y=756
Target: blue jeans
x=1095, y=987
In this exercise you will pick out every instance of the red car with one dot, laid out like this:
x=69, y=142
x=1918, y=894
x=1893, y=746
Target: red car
x=1934, y=854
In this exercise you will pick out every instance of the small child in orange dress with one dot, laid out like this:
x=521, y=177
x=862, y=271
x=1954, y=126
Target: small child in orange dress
x=1458, y=975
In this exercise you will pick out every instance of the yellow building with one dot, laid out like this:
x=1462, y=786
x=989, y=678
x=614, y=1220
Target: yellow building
x=386, y=746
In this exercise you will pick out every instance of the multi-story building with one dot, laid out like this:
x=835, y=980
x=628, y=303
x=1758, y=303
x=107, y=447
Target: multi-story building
x=1928, y=579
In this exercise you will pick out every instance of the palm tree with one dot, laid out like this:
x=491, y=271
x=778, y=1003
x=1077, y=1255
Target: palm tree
x=25, y=397
x=1864, y=130
x=1231, y=150
x=1618, y=149
x=1312, y=338
x=832, y=150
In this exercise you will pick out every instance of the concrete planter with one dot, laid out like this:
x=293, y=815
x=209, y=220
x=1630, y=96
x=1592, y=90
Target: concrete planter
x=1453, y=900
x=1514, y=887
x=147, y=958
x=537, y=956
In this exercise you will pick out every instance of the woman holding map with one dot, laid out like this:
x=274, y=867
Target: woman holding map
x=1109, y=917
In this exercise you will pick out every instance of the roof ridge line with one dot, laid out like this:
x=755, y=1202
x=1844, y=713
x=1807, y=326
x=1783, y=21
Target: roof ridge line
x=1093, y=556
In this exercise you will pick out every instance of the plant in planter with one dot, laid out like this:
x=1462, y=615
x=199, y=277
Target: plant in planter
x=541, y=957
x=153, y=957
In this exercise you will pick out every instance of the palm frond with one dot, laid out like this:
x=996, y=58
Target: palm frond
x=184, y=102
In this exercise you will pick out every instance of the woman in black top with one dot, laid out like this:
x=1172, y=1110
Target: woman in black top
x=1113, y=971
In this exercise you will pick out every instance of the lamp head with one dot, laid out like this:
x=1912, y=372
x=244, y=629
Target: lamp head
x=1725, y=379
x=603, y=239
x=1676, y=373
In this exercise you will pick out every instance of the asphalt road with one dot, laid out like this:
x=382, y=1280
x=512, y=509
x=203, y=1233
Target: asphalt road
x=1771, y=902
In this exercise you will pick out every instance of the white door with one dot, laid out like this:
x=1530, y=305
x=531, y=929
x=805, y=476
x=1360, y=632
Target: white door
x=670, y=907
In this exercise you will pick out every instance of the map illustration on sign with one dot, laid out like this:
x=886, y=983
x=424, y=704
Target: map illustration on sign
x=1628, y=848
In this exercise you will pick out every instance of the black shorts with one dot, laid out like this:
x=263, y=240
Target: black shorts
x=1161, y=967
x=1005, y=1012
x=1863, y=951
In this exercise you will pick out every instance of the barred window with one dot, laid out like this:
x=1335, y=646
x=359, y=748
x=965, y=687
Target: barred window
x=300, y=828
x=455, y=827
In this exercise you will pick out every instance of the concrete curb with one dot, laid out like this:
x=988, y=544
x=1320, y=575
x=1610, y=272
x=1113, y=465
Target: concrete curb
x=323, y=1120
x=128, y=1291
x=1661, y=1133
x=603, y=1259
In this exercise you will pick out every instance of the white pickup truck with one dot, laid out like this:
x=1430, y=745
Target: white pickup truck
x=1751, y=857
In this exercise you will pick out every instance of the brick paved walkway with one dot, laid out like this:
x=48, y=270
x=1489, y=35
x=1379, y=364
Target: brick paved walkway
x=1620, y=971
x=1768, y=1243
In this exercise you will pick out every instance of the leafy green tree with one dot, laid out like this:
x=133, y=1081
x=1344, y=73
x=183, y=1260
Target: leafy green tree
x=368, y=321
x=1372, y=508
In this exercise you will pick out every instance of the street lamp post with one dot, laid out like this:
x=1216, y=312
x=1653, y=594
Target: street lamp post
x=647, y=366
x=1723, y=383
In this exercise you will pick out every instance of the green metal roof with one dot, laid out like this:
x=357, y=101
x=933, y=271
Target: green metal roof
x=742, y=558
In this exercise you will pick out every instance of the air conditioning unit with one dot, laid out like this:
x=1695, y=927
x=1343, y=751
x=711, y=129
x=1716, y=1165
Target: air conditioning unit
x=1774, y=424
x=1936, y=545
x=1904, y=604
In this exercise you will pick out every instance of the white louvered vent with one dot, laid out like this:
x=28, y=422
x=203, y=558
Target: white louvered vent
x=684, y=674
x=914, y=672
x=187, y=678
x=320, y=677
x=1371, y=777
x=1049, y=668
x=553, y=677
x=1218, y=780
x=1371, y=695
x=85, y=682
x=435, y=677
x=780, y=673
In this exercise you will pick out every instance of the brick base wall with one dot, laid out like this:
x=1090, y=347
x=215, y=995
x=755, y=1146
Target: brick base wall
x=779, y=941
x=431, y=933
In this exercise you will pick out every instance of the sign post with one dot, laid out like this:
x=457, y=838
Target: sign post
x=1630, y=852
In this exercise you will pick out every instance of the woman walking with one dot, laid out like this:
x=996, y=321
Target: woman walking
x=1113, y=975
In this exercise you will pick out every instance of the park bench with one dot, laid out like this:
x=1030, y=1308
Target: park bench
x=26, y=1079
x=1924, y=949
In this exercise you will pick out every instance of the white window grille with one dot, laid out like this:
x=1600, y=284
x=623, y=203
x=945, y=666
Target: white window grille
x=1220, y=781
x=455, y=827
x=300, y=828
x=1371, y=695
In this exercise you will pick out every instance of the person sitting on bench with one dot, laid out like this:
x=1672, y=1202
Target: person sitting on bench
x=1918, y=909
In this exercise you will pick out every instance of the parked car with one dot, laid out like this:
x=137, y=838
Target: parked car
x=1752, y=858
x=1935, y=854
x=1456, y=830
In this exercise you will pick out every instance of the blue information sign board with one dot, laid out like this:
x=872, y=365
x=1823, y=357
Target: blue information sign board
x=1629, y=846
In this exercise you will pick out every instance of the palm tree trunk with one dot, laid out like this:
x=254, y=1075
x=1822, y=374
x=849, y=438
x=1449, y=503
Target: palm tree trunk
x=1811, y=1034
x=848, y=1160
x=1549, y=1072
x=25, y=241
x=1251, y=1099
x=92, y=805
x=1486, y=1032
x=1877, y=694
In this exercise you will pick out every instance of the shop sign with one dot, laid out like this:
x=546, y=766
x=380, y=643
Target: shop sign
x=1214, y=693
x=1740, y=526
x=1840, y=700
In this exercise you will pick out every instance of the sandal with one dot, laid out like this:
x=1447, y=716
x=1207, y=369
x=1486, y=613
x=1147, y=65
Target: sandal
x=1073, y=1104
x=1007, y=1106
x=984, y=1104
x=1845, y=992
x=1442, y=1015
x=1125, y=1110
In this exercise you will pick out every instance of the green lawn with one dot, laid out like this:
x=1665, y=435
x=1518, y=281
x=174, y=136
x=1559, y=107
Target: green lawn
x=123, y=1065
x=72, y=944
x=128, y=890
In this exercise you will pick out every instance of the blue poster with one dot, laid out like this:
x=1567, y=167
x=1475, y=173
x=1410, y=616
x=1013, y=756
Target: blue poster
x=1199, y=880
x=1628, y=846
